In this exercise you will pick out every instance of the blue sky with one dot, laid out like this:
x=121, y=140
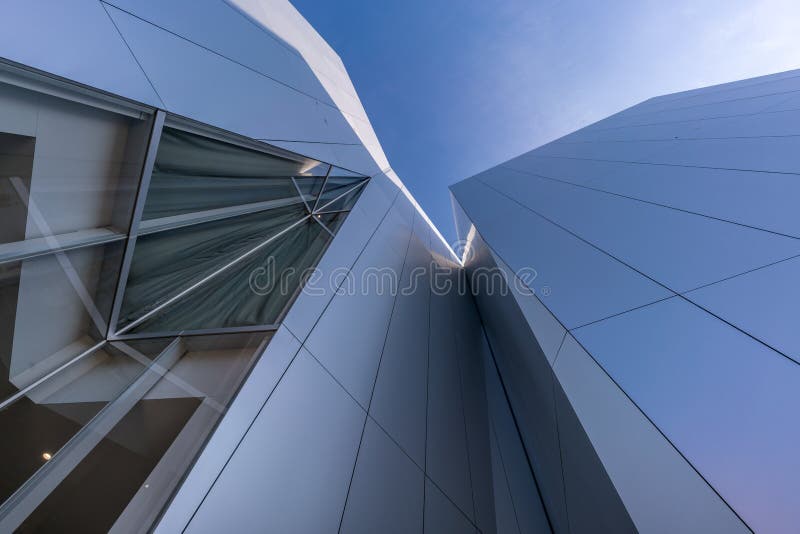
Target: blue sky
x=453, y=87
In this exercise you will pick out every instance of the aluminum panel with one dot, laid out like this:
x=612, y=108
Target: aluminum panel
x=505, y=514
x=764, y=303
x=759, y=125
x=681, y=250
x=244, y=409
x=756, y=104
x=746, y=197
x=548, y=331
x=441, y=515
x=304, y=444
x=472, y=348
x=529, y=512
x=349, y=337
x=652, y=479
x=582, y=284
x=222, y=93
x=728, y=86
x=75, y=40
x=400, y=398
x=593, y=504
x=528, y=381
x=214, y=25
x=387, y=491
x=447, y=450
x=777, y=85
x=723, y=399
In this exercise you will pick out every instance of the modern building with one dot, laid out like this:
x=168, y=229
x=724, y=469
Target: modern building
x=217, y=308
x=223, y=311
x=648, y=342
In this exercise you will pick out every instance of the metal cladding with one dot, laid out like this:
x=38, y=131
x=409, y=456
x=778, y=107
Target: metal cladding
x=223, y=311
x=648, y=336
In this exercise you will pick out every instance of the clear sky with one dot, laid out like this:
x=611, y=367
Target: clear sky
x=453, y=87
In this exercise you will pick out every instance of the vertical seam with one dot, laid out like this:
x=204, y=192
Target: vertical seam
x=377, y=374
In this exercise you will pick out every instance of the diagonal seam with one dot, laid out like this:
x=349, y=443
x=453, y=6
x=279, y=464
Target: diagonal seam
x=650, y=202
x=128, y=46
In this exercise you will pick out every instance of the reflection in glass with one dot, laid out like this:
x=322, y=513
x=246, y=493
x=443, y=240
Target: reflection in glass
x=47, y=416
x=194, y=173
x=166, y=263
x=136, y=414
x=340, y=194
x=211, y=211
x=65, y=167
x=53, y=308
x=257, y=290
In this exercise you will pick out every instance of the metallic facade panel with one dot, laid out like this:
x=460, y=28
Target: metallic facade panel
x=510, y=463
x=652, y=478
x=679, y=250
x=527, y=381
x=735, y=196
x=548, y=331
x=224, y=30
x=755, y=104
x=283, y=20
x=441, y=515
x=584, y=284
x=399, y=402
x=303, y=444
x=472, y=350
x=763, y=303
x=387, y=491
x=214, y=90
x=243, y=411
x=363, y=305
x=760, y=125
x=729, y=419
x=447, y=455
x=592, y=502
x=759, y=85
x=505, y=514
x=77, y=41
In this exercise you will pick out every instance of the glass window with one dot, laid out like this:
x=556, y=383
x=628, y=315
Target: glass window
x=114, y=435
x=47, y=416
x=228, y=234
x=66, y=168
x=257, y=290
x=194, y=174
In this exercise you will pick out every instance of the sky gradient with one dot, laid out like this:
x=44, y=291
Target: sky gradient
x=453, y=88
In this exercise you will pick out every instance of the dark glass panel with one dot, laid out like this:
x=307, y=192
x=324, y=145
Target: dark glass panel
x=16, y=162
x=53, y=308
x=341, y=196
x=129, y=471
x=88, y=500
x=194, y=173
x=255, y=291
x=166, y=263
x=43, y=420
